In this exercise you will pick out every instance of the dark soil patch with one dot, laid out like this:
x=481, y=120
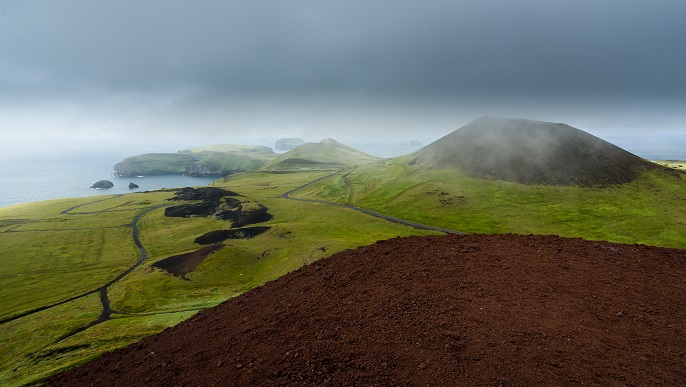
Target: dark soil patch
x=180, y=265
x=454, y=310
x=202, y=193
x=533, y=152
x=222, y=235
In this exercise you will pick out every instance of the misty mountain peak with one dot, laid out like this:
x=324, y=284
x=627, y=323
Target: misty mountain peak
x=531, y=152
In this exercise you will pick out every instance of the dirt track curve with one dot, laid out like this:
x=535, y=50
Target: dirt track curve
x=286, y=195
x=104, y=300
x=452, y=310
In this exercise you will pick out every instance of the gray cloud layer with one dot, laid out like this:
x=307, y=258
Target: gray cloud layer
x=129, y=66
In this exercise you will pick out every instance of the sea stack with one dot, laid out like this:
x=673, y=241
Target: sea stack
x=133, y=185
x=103, y=184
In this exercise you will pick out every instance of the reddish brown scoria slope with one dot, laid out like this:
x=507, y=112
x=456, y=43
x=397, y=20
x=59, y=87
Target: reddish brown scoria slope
x=443, y=310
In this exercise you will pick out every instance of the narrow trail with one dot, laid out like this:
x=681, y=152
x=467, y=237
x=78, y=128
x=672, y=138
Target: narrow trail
x=69, y=210
x=106, y=310
x=286, y=195
x=104, y=300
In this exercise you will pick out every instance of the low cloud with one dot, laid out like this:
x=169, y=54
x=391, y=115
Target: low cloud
x=169, y=72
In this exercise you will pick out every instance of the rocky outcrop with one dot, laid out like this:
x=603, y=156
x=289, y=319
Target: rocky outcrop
x=245, y=214
x=218, y=203
x=203, y=209
x=202, y=193
x=103, y=184
x=133, y=185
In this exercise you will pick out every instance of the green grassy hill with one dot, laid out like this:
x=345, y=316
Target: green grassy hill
x=218, y=160
x=433, y=186
x=325, y=155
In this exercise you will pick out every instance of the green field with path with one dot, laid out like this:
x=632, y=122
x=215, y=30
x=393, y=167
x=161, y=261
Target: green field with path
x=67, y=250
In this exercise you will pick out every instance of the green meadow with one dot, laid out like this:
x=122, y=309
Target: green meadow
x=650, y=210
x=67, y=249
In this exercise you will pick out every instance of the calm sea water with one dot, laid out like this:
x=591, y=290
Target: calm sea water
x=25, y=182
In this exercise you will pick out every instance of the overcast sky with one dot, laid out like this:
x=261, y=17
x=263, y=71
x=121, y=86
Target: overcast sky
x=159, y=75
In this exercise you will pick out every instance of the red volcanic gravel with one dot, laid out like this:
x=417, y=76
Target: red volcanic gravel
x=469, y=310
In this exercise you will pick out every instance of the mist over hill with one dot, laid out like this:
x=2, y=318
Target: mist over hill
x=531, y=152
x=326, y=154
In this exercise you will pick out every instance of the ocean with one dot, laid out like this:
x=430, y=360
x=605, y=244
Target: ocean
x=30, y=181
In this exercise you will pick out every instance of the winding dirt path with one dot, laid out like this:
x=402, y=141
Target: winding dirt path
x=69, y=210
x=286, y=195
x=106, y=309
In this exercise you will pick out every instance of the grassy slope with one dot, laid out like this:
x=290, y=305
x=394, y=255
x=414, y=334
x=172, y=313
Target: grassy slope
x=650, y=210
x=97, y=246
x=39, y=252
x=326, y=154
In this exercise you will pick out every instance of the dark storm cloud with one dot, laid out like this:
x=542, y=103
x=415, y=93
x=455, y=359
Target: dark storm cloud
x=384, y=47
x=119, y=69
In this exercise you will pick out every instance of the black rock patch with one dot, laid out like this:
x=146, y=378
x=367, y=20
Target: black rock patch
x=222, y=235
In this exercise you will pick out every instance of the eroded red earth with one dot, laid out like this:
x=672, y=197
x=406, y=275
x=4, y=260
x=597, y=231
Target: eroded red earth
x=443, y=310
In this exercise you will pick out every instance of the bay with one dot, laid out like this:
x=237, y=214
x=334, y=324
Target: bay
x=25, y=182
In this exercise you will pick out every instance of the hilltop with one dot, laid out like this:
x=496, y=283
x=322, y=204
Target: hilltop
x=439, y=310
x=531, y=152
x=326, y=154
